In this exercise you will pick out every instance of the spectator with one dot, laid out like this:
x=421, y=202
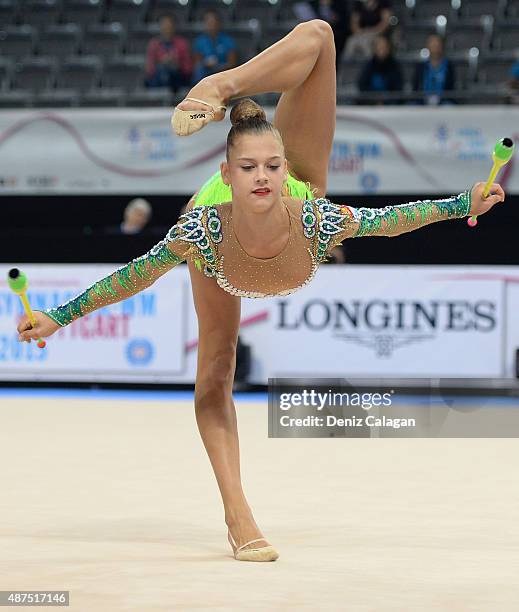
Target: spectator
x=168, y=58
x=341, y=26
x=514, y=77
x=214, y=50
x=369, y=18
x=335, y=12
x=135, y=218
x=382, y=72
x=435, y=75
x=337, y=255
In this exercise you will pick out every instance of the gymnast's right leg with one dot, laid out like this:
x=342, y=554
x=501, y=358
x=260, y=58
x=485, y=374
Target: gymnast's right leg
x=218, y=325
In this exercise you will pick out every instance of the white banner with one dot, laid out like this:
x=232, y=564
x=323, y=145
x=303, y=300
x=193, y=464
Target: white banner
x=362, y=321
x=139, y=339
x=411, y=150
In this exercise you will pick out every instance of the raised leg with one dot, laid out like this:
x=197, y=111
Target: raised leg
x=305, y=117
x=218, y=324
x=302, y=67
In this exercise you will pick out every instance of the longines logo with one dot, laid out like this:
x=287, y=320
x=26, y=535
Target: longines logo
x=387, y=325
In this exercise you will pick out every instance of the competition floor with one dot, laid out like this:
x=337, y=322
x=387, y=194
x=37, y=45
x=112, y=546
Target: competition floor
x=111, y=496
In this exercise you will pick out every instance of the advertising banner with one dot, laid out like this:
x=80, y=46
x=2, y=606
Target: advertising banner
x=393, y=150
x=363, y=321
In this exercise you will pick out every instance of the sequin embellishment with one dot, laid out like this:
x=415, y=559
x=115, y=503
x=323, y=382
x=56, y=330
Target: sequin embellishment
x=133, y=277
x=383, y=221
x=309, y=219
x=223, y=282
x=330, y=219
x=192, y=224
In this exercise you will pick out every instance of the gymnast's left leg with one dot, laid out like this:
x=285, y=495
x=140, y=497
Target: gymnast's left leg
x=218, y=324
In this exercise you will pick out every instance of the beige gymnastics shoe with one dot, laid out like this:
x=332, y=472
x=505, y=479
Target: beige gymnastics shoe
x=267, y=553
x=186, y=122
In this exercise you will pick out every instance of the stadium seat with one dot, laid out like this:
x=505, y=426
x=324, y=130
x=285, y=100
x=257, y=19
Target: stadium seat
x=465, y=36
x=464, y=70
x=430, y=9
x=180, y=9
x=15, y=99
x=476, y=8
x=292, y=11
x=265, y=11
x=402, y=12
x=60, y=41
x=84, y=12
x=56, y=98
x=512, y=9
x=17, y=41
x=6, y=68
x=101, y=97
x=507, y=38
x=247, y=38
x=127, y=11
x=149, y=97
x=349, y=73
x=139, y=36
x=8, y=12
x=34, y=74
x=224, y=8
x=495, y=70
x=408, y=62
x=126, y=73
x=81, y=73
x=40, y=12
x=190, y=31
x=414, y=37
x=104, y=39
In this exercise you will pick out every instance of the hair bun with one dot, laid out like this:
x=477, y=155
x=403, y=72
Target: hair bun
x=246, y=109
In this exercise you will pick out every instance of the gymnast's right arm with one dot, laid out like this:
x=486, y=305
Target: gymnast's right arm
x=132, y=278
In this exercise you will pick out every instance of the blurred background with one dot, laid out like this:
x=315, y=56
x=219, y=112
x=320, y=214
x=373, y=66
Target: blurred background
x=91, y=176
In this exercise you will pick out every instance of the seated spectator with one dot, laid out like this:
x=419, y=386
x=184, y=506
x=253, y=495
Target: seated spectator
x=435, y=75
x=337, y=14
x=369, y=18
x=382, y=72
x=514, y=77
x=135, y=218
x=214, y=50
x=337, y=255
x=168, y=58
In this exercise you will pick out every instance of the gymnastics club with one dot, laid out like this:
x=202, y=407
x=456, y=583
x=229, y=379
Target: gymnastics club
x=502, y=154
x=18, y=283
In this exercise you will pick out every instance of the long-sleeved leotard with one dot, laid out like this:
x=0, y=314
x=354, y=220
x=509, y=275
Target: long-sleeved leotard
x=206, y=234
x=135, y=276
x=337, y=223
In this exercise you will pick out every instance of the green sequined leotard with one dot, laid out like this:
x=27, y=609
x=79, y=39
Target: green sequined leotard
x=206, y=233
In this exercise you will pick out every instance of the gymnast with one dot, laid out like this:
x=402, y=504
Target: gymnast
x=260, y=227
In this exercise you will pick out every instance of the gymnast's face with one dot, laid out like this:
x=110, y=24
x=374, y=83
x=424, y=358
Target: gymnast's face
x=256, y=170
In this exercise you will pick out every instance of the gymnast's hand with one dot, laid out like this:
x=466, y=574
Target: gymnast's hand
x=482, y=205
x=44, y=327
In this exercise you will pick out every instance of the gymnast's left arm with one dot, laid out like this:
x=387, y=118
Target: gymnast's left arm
x=395, y=220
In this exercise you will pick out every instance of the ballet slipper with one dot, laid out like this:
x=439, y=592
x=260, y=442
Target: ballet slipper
x=186, y=122
x=267, y=553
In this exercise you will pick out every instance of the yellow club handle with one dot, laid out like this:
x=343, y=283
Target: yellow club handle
x=492, y=177
x=27, y=308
